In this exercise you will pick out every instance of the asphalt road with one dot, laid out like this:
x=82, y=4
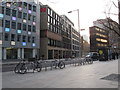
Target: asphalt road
x=85, y=76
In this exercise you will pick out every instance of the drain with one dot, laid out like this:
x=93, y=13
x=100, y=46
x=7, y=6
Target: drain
x=112, y=77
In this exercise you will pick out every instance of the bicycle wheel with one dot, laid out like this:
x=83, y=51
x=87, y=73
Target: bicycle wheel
x=23, y=69
x=61, y=65
x=39, y=67
x=16, y=69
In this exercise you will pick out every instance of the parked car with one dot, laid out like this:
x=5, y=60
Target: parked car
x=93, y=55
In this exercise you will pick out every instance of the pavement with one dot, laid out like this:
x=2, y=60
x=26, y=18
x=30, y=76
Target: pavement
x=84, y=76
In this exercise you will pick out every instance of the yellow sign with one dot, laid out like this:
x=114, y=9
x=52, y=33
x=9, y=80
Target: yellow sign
x=100, y=52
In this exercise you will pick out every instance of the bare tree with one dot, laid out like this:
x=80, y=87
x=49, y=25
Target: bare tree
x=109, y=23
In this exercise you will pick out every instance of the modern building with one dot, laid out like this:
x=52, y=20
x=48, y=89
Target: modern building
x=99, y=41
x=56, y=31
x=19, y=30
x=72, y=35
x=112, y=28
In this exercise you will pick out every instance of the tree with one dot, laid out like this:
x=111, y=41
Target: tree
x=110, y=24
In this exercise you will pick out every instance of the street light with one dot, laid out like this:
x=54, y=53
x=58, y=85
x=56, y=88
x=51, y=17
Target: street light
x=78, y=30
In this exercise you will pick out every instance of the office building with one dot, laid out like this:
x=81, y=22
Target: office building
x=19, y=30
x=56, y=35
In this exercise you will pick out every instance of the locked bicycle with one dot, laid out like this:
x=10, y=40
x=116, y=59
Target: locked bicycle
x=26, y=65
x=58, y=63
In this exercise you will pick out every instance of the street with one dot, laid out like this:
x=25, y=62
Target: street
x=85, y=76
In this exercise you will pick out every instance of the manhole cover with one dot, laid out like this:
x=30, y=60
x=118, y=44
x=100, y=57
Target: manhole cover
x=112, y=77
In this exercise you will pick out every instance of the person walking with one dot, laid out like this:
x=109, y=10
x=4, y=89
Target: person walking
x=113, y=55
x=116, y=55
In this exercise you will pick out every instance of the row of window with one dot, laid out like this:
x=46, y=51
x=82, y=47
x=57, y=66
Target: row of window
x=54, y=29
x=55, y=43
x=75, y=47
x=22, y=5
x=101, y=40
x=20, y=26
x=20, y=14
x=53, y=14
x=100, y=30
x=101, y=35
x=19, y=38
x=105, y=45
x=75, y=32
x=75, y=37
x=75, y=42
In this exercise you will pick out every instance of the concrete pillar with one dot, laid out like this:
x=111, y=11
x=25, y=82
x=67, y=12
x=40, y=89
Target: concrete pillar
x=18, y=53
x=0, y=53
x=4, y=51
x=34, y=53
x=53, y=54
x=23, y=53
x=62, y=53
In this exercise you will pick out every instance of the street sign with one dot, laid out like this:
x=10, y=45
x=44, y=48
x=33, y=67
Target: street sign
x=100, y=52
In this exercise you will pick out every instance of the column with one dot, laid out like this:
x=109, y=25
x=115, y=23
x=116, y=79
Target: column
x=0, y=53
x=53, y=54
x=62, y=53
x=4, y=51
x=34, y=53
x=22, y=53
x=18, y=53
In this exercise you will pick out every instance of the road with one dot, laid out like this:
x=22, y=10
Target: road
x=85, y=76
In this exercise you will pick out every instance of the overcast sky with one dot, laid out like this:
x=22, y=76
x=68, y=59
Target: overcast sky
x=90, y=10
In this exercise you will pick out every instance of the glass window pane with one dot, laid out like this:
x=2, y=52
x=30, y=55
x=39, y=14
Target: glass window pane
x=34, y=8
x=19, y=14
x=13, y=25
x=7, y=11
x=14, y=13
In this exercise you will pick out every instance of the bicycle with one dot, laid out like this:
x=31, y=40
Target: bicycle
x=58, y=63
x=21, y=67
x=25, y=65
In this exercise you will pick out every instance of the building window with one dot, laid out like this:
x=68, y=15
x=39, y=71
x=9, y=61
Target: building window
x=34, y=29
x=24, y=27
x=24, y=38
x=49, y=26
x=33, y=39
x=34, y=8
x=12, y=37
x=14, y=3
x=30, y=7
x=6, y=36
x=29, y=28
x=48, y=18
x=34, y=18
x=25, y=5
x=24, y=15
x=8, y=4
x=49, y=11
x=13, y=25
x=19, y=14
x=2, y=10
x=29, y=38
x=19, y=38
x=14, y=13
x=7, y=11
x=19, y=26
x=29, y=17
x=7, y=24
x=19, y=4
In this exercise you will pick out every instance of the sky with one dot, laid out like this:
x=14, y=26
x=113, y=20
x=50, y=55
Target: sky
x=89, y=10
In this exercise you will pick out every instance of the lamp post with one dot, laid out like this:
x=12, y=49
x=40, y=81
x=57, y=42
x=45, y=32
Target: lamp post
x=78, y=30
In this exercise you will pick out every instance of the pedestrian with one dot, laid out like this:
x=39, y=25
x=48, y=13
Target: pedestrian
x=116, y=55
x=113, y=55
